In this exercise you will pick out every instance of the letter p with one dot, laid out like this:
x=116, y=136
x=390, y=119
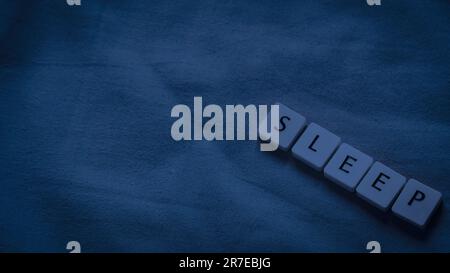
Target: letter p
x=418, y=196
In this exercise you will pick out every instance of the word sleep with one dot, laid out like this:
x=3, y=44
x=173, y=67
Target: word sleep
x=354, y=170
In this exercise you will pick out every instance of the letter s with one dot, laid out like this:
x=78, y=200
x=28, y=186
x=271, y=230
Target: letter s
x=282, y=123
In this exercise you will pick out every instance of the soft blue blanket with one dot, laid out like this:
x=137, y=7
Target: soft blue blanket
x=85, y=99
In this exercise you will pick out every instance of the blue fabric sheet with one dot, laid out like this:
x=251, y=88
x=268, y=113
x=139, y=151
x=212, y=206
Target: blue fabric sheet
x=85, y=99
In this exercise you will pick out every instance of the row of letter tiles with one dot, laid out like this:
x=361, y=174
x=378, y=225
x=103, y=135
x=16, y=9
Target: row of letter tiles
x=353, y=170
x=290, y=126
